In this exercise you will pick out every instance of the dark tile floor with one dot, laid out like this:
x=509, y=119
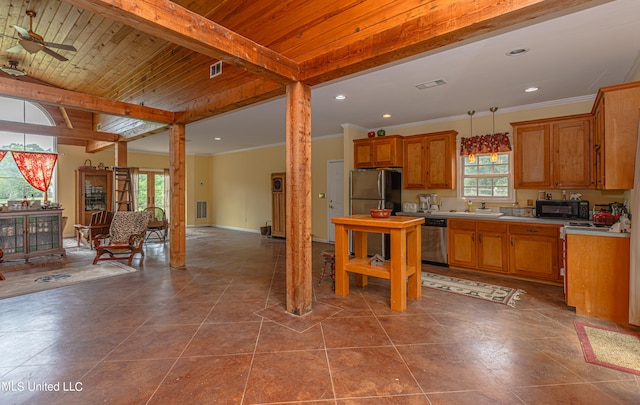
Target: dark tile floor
x=217, y=333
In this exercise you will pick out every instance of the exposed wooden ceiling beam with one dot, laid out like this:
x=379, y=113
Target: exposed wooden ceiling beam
x=231, y=99
x=72, y=99
x=174, y=23
x=446, y=23
x=22, y=128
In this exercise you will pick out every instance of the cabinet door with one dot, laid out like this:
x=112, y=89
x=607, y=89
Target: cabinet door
x=363, y=153
x=493, y=247
x=532, y=160
x=441, y=159
x=534, y=256
x=414, y=163
x=387, y=151
x=571, y=145
x=462, y=243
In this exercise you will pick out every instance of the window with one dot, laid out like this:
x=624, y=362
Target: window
x=484, y=179
x=13, y=186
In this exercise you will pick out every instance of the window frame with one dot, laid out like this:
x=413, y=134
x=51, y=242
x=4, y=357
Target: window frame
x=511, y=194
x=44, y=118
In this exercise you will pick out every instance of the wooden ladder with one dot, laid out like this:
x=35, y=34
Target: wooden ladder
x=122, y=191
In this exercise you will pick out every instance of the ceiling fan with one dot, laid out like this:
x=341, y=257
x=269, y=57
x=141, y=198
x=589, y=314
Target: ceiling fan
x=32, y=42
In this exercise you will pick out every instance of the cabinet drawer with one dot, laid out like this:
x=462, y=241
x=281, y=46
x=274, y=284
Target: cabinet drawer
x=487, y=226
x=468, y=225
x=539, y=230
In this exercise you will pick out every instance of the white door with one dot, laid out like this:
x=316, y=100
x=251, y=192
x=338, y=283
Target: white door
x=335, y=195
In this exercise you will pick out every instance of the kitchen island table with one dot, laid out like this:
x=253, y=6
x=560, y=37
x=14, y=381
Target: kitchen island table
x=405, y=256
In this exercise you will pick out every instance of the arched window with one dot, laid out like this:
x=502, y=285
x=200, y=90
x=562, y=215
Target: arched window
x=13, y=186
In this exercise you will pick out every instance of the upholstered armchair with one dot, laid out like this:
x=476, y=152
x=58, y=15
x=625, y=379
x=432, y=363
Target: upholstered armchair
x=126, y=237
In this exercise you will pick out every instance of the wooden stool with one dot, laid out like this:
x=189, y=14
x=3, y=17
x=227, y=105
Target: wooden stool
x=329, y=259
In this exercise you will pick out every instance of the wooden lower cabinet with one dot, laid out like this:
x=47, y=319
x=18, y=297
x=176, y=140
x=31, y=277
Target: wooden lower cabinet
x=493, y=247
x=478, y=245
x=534, y=251
x=518, y=249
x=598, y=276
x=462, y=243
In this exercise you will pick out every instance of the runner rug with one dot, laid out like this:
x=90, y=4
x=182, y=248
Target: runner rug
x=47, y=280
x=475, y=289
x=616, y=349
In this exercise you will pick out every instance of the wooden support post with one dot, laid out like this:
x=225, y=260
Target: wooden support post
x=120, y=159
x=177, y=162
x=298, y=195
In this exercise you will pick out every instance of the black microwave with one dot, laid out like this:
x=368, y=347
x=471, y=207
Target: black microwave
x=575, y=209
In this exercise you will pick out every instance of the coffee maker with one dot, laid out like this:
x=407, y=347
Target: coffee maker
x=424, y=202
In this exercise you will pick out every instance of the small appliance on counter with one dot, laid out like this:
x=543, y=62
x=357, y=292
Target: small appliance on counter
x=572, y=209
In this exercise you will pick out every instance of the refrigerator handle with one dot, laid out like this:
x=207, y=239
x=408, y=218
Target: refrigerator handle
x=379, y=187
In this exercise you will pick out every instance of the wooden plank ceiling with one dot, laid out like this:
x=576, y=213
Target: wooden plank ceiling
x=152, y=55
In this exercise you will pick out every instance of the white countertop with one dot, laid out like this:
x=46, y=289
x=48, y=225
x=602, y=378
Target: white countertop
x=576, y=230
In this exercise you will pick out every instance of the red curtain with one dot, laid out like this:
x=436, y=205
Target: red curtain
x=37, y=168
x=492, y=143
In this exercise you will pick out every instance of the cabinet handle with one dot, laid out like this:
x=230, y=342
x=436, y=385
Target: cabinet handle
x=532, y=230
x=512, y=241
x=473, y=236
x=480, y=238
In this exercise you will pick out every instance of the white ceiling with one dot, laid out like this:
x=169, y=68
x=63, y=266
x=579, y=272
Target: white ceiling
x=569, y=56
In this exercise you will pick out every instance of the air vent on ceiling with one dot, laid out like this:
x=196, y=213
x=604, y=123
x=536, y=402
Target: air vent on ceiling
x=215, y=69
x=432, y=83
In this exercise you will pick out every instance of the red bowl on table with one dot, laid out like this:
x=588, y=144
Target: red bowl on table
x=380, y=213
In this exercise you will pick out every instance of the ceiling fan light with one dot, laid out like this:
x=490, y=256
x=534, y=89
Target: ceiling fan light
x=12, y=69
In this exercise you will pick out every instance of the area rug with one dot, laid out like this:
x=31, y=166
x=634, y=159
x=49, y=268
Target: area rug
x=616, y=349
x=47, y=280
x=193, y=234
x=475, y=289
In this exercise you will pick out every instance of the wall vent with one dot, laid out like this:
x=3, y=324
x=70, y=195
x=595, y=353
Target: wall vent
x=201, y=209
x=432, y=83
x=215, y=69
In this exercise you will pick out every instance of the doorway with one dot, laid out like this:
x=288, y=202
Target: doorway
x=151, y=189
x=335, y=195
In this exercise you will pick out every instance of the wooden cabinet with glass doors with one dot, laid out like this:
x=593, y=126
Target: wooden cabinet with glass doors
x=29, y=233
x=94, y=190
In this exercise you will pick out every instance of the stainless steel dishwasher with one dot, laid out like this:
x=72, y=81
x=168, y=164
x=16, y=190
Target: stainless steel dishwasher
x=434, y=241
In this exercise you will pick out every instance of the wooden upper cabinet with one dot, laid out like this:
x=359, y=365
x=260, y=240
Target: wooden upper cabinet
x=430, y=161
x=553, y=153
x=383, y=151
x=615, y=136
x=571, y=152
x=414, y=162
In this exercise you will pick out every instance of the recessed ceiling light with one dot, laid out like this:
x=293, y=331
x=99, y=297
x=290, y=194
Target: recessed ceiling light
x=429, y=84
x=386, y=115
x=341, y=97
x=217, y=139
x=531, y=89
x=517, y=52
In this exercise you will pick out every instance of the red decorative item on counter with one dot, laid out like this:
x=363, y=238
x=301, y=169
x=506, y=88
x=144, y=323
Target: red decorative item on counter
x=371, y=134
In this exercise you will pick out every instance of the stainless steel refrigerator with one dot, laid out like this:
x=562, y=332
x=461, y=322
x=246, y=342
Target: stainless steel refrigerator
x=373, y=188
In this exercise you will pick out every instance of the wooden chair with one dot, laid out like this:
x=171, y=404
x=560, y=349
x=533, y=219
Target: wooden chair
x=158, y=224
x=126, y=237
x=99, y=224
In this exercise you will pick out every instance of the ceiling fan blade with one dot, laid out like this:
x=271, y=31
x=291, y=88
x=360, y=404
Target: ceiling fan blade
x=61, y=46
x=54, y=54
x=16, y=49
x=23, y=33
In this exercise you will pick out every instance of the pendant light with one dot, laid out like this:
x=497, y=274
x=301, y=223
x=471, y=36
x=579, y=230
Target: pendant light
x=472, y=157
x=494, y=154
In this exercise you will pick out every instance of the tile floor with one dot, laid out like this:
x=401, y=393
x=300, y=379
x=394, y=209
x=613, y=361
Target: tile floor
x=217, y=333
